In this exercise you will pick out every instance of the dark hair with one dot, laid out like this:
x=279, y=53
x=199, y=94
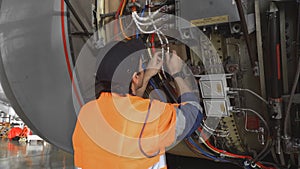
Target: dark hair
x=106, y=86
x=117, y=66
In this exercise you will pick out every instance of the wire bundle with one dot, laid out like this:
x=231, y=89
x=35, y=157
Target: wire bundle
x=224, y=155
x=148, y=25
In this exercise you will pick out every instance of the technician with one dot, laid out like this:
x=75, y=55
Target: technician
x=121, y=130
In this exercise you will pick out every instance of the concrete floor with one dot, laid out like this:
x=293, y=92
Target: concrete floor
x=36, y=155
x=39, y=155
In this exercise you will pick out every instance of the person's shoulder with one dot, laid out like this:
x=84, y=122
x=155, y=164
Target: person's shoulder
x=89, y=104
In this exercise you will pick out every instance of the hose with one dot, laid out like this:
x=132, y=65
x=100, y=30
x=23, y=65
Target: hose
x=141, y=135
x=120, y=20
x=266, y=148
x=192, y=142
x=253, y=93
x=288, y=110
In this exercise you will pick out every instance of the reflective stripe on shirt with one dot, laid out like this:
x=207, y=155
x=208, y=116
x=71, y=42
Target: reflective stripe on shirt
x=161, y=164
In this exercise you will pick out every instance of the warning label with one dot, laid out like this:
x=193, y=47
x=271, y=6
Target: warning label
x=211, y=20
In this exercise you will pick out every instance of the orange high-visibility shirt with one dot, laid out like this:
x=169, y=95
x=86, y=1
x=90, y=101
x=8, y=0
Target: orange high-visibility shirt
x=107, y=132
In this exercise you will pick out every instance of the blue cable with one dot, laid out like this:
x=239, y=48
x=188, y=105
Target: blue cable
x=163, y=99
x=159, y=94
x=190, y=140
x=247, y=167
x=145, y=122
x=141, y=135
x=142, y=14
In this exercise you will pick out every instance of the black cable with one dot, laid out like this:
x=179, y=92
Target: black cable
x=77, y=18
x=274, y=156
x=95, y=16
x=288, y=110
x=194, y=150
x=266, y=149
x=298, y=160
x=245, y=31
x=208, y=155
x=270, y=164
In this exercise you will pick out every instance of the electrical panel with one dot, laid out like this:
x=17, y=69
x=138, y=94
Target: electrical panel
x=214, y=92
x=200, y=13
x=216, y=107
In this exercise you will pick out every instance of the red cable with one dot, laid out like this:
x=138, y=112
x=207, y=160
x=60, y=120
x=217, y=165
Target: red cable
x=278, y=61
x=227, y=153
x=152, y=42
x=117, y=16
x=230, y=154
x=119, y=9
x=264, y=167
x=222, y=151
x=133, y=7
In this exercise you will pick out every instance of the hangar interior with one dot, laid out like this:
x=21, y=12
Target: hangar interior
x=243, y=56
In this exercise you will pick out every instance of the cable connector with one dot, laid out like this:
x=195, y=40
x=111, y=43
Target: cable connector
x=253, y=165
x=134, y=6
x=249, y=164
x=246, y=163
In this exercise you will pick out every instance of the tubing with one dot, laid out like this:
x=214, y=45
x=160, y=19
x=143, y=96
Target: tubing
x=191, y=141
x=265, y=149
x=253, y=93
x=275, y=56
x=288, y=110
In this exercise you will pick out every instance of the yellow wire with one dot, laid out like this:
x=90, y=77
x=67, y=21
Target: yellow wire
x=120, y=21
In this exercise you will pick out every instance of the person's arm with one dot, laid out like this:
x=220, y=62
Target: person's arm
x=147, y=77
x=152, y=69
x=175, y=65
x=189, y=112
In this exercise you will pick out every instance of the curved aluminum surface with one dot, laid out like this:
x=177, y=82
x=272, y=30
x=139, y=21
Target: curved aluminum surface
x=3, y=97
x=35, y=67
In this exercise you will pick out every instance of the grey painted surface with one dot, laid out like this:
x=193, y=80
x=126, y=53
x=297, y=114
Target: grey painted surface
x=33, y=68
x=3, y=97
x=203, y=9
